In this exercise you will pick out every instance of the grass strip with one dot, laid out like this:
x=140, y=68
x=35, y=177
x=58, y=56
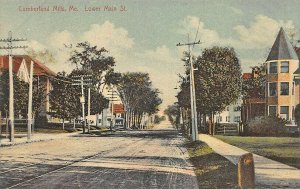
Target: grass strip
x=212, y=170
x=282, y=149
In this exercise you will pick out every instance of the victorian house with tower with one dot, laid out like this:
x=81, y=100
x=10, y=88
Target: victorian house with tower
x=282, y=78
x=282, y=83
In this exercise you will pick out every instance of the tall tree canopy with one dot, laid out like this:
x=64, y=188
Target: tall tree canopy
x=218, y=79
x=64, y=98
x=21, y=90
x=138, y=95
x=254, y=87
x=20, y=94
x=96, y=62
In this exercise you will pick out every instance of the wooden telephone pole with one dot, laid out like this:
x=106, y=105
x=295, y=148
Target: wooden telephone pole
x=9, y=47
x=192, y=92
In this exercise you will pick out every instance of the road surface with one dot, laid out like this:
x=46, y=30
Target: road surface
x=126, y=159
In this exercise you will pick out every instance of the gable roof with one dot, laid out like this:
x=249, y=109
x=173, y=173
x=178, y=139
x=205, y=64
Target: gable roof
x=282, y=48
x=39, y=68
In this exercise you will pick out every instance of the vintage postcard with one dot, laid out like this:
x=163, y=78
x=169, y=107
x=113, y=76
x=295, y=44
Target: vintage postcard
x=143, y=94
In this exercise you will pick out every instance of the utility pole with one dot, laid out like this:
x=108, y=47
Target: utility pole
x=9, y=48
x=192, y=92
x=112, y=98
x=84, y=80
x=82, y=100
x=29, y=116
x=89, y=109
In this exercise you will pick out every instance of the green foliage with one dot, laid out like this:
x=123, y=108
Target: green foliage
x=64, y=98
x=255, y=87
x=267, y=126
x=38, y=95
x=96, y=62
x=158, y=119
x=173, y=113
x=89, y=60
x=184, y=98
x=137, y=93
x=40, y=121
x=98, y=102
x=20, y=94
x=218, y=79
x=297, y=114
x=21, y=90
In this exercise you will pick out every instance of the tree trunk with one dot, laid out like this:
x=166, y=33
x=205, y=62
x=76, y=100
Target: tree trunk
x=140, y=120
x=213, y=124
x=204, y=122
x=6, y=123
x=74, y=126
x=210, y=126
x=129, y=118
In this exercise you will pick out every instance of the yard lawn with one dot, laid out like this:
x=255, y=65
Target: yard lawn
x=283, y=149
x=211, y=169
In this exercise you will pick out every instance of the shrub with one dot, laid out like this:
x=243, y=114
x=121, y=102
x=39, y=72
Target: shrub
x=297, y=114
x=267, y=126
x=40, y=121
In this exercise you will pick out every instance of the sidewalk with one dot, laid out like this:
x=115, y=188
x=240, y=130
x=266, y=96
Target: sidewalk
x=268, y=173
x=36, y=137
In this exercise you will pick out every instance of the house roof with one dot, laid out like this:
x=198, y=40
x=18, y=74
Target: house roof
x=297, y=71
x=39, y=68
x=282, y=48
x=297, y=50
x=247, y=75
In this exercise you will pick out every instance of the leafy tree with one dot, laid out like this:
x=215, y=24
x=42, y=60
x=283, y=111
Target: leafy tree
x=38, y=96
x=94, y=61
x=20, y=94
x=173, y=113
x=254, y=87
x=138, y=96
x=98, y=102
x=297, y=114
x=64, y=98
x=218, y=79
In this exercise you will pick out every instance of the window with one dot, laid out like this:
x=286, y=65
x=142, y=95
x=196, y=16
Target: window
x=293, y=113
x=293, y=89
x=284, y=67
x=237, y=108
x=273, y=67
x=237, y=119
x=284, y=88
x=227, y=108
x=272, y=89
x=272, y=111
x=227, y=118
x=284, y=112
x=220, y=118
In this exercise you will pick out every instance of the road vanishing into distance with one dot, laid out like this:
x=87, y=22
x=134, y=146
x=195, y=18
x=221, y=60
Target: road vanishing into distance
x=125, y=159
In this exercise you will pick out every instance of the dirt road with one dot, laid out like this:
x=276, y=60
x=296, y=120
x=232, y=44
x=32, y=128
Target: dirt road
x=125, y=159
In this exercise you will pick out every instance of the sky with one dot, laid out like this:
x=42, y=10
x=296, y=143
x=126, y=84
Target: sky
x=144, y=35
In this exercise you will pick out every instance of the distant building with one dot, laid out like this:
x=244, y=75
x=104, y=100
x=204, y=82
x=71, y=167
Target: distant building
x=21, y=67
x=231, y=114
x=283, y=74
